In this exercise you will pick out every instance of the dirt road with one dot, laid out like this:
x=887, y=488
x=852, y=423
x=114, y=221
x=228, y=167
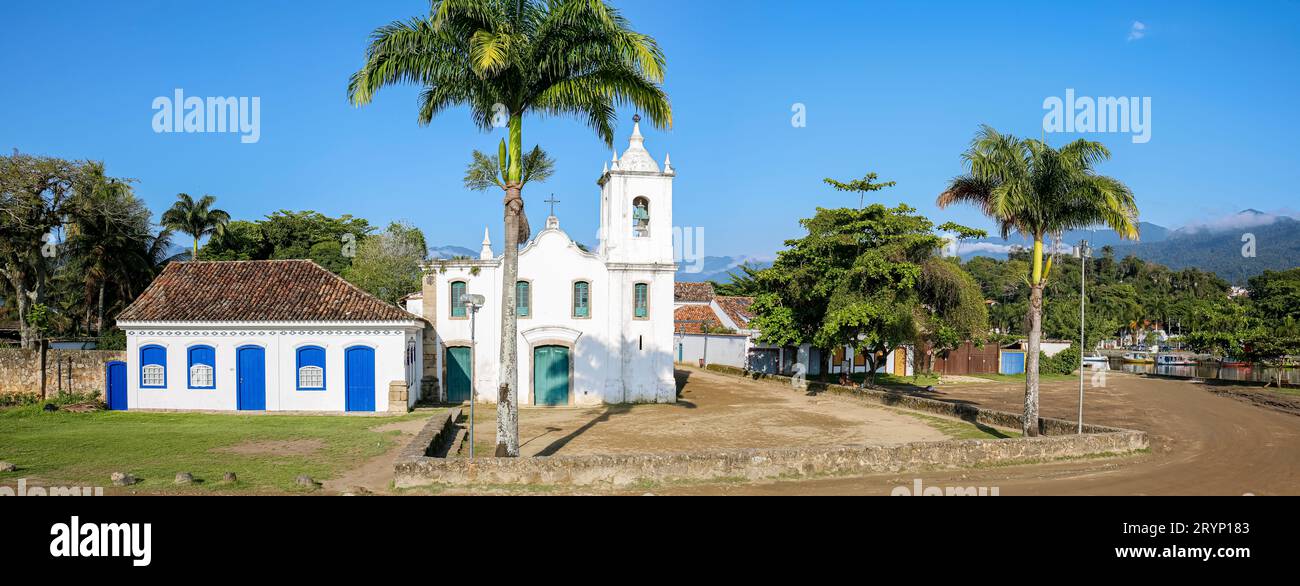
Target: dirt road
x=1201, y=443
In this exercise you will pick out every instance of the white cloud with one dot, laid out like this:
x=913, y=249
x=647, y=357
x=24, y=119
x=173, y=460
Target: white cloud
x=1137, y=31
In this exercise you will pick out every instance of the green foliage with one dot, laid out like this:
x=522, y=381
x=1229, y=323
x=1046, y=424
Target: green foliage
x=195, y=217
x=487, y=171
x=113, y=339
x=1276, y=295
x=388, y=264
x=330, y=242
x=1064, y=362
x=866, y=278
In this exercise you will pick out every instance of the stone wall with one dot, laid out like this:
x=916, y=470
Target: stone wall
x=82, y=370
x=1059, y=441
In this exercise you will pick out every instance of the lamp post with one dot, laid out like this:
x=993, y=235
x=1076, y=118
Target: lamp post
x=473, y=303
x=1084, y=254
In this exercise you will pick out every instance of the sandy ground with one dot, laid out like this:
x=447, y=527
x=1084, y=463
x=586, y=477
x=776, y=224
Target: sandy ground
x=1201, y=443
x=712, y=412
x=376, y=474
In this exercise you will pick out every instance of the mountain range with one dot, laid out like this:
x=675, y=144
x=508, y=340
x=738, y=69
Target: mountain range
x=1218, y=246
x=1222, y=246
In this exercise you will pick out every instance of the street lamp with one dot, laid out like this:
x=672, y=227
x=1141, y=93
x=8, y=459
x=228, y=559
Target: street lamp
x=1084, y=254
x=473, y=303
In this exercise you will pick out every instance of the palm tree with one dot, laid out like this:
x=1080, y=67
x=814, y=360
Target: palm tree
x=485, y=171
x=196, y=218
x=1028, y=187
x=505, y=59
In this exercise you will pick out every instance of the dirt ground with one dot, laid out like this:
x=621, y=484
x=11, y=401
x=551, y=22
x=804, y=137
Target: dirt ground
x=1201, y=443
x=712, y=412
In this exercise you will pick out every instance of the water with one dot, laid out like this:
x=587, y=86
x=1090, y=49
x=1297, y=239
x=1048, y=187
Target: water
x=1253, y=373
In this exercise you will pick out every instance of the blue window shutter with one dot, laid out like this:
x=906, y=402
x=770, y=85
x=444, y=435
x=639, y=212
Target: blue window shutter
x=310, y=356
x=153, y=356
x=201, y=355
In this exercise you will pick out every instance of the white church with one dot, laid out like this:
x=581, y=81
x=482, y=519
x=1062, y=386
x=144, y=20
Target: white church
x=594, y=326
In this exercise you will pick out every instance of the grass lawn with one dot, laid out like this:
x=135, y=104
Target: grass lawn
x=267, y=452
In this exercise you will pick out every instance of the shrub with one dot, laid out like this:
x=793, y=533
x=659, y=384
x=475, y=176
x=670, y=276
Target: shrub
x=1065, y=362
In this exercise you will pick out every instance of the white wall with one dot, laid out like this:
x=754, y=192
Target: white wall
x=280, y=343
x=730, y=350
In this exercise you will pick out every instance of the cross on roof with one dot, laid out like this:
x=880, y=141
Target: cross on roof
x=552, y=201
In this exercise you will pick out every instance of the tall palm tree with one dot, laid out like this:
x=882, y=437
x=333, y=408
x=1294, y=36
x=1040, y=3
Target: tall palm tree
x=505, y=59
x=196, y=218
x=1028, y=187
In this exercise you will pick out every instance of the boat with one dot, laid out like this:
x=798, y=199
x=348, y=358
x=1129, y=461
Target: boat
x=1230, y=362
x=1173, y=360
x=1138, y=358
x=1095, y=362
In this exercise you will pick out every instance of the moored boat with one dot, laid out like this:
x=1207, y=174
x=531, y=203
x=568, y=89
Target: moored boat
x=1173, y=360
x=1138, y=358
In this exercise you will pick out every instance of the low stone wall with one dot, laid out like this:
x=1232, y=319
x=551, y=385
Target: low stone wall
x=416, y=468
x=434, y=438
x=82, y=370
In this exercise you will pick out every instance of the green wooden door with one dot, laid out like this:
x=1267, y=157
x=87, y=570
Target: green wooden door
x=551, y=376
x=459, y=372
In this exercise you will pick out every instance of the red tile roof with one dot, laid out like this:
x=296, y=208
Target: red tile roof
x=738, y=309
x=696, y=313
x=692, y=292
x=256, y=290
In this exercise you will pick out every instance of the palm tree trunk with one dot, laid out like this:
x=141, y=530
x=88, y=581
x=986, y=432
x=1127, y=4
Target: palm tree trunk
x=99, y=319
x=195, y=254
x=1030, y=425
x=508, y=391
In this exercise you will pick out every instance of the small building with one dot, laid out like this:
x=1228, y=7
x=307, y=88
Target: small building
x=274, y=335
x=715, y=329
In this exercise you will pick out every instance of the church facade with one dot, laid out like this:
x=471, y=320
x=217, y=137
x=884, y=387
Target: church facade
x=595, y=326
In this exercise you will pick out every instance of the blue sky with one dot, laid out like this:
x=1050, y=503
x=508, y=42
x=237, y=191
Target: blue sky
x=894, y=87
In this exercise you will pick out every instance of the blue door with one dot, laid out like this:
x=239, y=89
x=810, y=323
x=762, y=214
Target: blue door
x=460, y=371
x=251, y=371
x=115, y=385
x=550, y=376
x=360, y=373
x=1013, y=363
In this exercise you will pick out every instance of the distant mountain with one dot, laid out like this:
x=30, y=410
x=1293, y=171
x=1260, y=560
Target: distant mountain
x=445, y=252
x=1215, y=246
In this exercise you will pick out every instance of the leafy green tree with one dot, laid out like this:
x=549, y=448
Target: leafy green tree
x=195, y=217
x=387, y=265
x=869, y=279
x=1029, y=187
x=35, y=194
x=505, y=59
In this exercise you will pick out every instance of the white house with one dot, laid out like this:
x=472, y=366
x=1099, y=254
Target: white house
x=275, y=335
x=594, y=326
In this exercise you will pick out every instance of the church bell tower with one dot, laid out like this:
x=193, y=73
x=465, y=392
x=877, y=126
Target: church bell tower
x=636, y=205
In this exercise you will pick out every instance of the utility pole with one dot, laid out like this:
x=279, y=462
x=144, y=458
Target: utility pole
x=1083, y=299
x=473, y=303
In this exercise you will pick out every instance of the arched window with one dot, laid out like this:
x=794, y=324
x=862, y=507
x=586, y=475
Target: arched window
x=153, y=367
x=582, y=299
x=523, y=298
x=641, y=300
x=311, y=368
x=202, y=363
x=640, y=217
x=457, y=305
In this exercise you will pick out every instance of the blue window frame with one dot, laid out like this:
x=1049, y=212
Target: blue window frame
x=153, y=367
x=641, y=300
x=202, y=367
x=523, y=301
x=310, y=372
x=457, y=306
x=582, y=299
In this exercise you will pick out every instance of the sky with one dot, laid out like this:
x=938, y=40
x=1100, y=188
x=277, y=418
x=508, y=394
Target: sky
x=898, y=88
